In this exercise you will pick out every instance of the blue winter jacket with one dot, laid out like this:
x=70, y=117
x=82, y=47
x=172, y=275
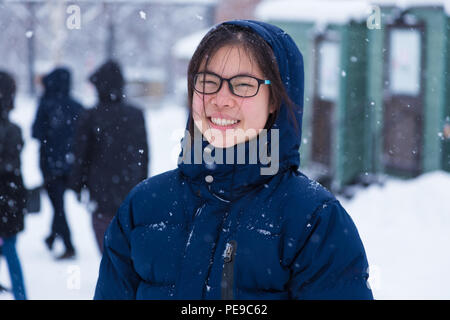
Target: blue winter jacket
x=226, y=231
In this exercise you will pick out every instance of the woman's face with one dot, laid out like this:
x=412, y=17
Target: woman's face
x=215, y=114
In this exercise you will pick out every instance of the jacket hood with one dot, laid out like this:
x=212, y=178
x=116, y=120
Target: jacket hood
x=244, y=176
x=57, y=83
x=109, y=82
x=290, y=65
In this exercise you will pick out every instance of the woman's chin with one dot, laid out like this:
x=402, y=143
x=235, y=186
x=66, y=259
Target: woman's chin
x=221, y=143
x=229, y=140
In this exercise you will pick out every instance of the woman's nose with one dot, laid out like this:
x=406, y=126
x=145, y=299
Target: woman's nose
x=224, y=97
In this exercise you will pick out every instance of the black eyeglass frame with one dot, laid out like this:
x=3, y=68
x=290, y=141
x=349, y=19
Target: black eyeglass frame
x=230, y=86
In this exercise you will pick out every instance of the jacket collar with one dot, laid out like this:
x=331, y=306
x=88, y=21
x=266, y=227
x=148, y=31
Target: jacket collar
x=229, y=173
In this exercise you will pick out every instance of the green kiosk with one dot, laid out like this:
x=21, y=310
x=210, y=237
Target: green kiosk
x=334, y=47
x=377, y=91
x=408, y=89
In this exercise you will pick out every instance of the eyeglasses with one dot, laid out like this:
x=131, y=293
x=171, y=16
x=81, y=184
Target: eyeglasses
x=241, y=86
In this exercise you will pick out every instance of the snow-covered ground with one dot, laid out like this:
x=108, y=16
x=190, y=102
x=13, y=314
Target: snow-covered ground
x=405, y=228
x=404, y=225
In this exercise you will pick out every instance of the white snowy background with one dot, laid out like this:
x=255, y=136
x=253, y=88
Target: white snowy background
x=404, y=224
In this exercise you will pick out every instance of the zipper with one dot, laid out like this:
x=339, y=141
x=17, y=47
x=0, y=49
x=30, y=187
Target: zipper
x=228, y=270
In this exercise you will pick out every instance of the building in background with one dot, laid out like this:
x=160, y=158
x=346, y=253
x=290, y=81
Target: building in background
x=377, y=97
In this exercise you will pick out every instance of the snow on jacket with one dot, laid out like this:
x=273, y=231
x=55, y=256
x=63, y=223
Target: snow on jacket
x=228, y=232
x=55, y=124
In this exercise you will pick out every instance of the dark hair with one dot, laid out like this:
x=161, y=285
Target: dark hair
x=256, y=47
x=7, y=94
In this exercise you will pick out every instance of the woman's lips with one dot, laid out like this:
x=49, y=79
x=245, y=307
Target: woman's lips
x=222, y=127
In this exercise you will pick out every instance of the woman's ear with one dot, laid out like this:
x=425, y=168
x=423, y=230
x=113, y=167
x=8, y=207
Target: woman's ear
x=272, y=108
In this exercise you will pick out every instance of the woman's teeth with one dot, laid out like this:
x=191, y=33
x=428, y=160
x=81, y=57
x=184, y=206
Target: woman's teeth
x=223, y=122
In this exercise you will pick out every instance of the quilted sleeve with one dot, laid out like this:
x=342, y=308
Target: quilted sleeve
x=117, y=278
x=330, y=262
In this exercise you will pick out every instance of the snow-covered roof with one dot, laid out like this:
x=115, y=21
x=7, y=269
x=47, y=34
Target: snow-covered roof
x=185, y=47
x=333, y=11
x=320, y=11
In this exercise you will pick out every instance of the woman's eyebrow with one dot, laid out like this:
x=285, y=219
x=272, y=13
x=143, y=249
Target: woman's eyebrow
x=238, y=74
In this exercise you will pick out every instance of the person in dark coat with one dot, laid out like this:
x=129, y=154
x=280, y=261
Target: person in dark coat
x=12, y=191
x=54, y=126
x=112, y=153
x=236, y=219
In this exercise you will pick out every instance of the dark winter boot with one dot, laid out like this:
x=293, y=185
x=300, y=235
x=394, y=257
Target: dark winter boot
x=3, y=289
x=68, y=254
x=49, y=241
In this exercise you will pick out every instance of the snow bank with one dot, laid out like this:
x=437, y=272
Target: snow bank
x=405, y=227
x=165, y=128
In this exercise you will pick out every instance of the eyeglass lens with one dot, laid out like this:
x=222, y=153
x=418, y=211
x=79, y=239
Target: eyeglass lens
x=243, y=86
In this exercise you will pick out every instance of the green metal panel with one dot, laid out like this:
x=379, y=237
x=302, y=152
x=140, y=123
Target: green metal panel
x=348, y=150
x=377, y=53
x=374, y=129
x=352, y=104
x=359, y=111
x=434, y=102
x=446, y=117
x=434, y=95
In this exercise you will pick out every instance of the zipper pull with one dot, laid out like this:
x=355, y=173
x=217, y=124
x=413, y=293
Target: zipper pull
x=228, y=254
x=227, y=282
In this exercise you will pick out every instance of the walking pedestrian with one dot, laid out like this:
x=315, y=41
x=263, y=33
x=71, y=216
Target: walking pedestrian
x=54, y=126
x=12, y=190
x=111, y=148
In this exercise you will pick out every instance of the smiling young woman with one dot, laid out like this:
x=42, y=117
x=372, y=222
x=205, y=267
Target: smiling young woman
x=228, y=51
x=227, y=230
